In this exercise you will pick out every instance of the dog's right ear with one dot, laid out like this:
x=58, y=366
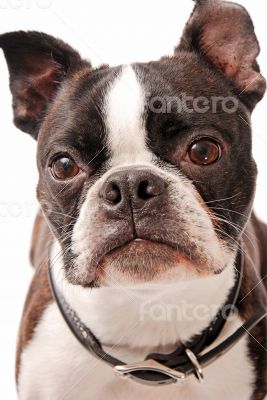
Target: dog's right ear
x=37, y=63
x=222, y=33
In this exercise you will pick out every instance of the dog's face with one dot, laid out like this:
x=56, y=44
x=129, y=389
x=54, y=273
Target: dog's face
x=146, y=171
x=131, y=192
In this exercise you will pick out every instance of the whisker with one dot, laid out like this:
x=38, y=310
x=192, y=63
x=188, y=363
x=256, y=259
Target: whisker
x=223, y=199
x=240, y=230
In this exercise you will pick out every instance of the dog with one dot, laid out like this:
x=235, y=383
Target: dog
x=146, y=249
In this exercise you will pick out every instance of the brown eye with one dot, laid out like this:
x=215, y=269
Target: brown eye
x=204, y=152
x=64, y=168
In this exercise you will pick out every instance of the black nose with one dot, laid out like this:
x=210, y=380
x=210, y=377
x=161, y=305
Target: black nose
x=135, y=188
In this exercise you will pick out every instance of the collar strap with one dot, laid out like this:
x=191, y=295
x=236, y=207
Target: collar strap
x=187, y=359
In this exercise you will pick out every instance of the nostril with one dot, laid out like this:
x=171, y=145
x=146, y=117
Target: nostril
x=146, y=190
x=143, y=190
x=113, y=194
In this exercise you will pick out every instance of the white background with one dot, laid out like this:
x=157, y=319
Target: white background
x=105, y=31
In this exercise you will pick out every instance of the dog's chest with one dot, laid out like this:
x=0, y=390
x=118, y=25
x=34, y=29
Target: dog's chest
x=55, y=366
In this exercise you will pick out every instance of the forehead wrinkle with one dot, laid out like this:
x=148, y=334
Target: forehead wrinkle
x=124, y=114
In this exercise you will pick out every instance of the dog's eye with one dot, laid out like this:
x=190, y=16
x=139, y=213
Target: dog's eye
x=64, y=168
x=204, y=152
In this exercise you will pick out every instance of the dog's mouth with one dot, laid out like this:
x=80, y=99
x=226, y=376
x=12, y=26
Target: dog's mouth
x=139, y=247
x=143, y=259
x=147, y=257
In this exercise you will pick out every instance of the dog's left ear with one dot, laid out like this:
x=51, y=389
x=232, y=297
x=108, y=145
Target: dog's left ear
x=223, y=34
x=38, y=64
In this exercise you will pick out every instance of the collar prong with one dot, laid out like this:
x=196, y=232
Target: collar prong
x=198, y=370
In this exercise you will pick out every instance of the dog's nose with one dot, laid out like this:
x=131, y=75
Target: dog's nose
x=135, y=188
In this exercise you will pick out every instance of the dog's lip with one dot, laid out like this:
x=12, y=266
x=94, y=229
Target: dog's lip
x=150, y=241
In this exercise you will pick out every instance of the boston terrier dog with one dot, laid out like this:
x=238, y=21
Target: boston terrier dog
x=149, y=262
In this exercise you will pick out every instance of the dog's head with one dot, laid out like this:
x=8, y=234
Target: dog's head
x=146, y=171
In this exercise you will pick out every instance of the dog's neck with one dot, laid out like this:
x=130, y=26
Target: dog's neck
x=151, y=317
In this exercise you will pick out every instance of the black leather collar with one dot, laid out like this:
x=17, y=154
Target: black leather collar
x=188, y=358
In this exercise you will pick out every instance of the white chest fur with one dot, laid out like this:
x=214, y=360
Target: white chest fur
x=132, y=323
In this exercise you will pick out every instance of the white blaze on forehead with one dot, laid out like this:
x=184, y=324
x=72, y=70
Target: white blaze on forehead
x=124, y=110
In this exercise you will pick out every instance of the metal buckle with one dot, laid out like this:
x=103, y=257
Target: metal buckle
x=192, y=357
x=172, y=376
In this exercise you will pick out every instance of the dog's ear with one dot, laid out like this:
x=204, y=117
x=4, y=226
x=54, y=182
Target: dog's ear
x=37, y=63
x=223, y=33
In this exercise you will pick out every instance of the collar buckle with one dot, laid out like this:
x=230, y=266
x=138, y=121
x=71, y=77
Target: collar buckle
x=171, y=375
